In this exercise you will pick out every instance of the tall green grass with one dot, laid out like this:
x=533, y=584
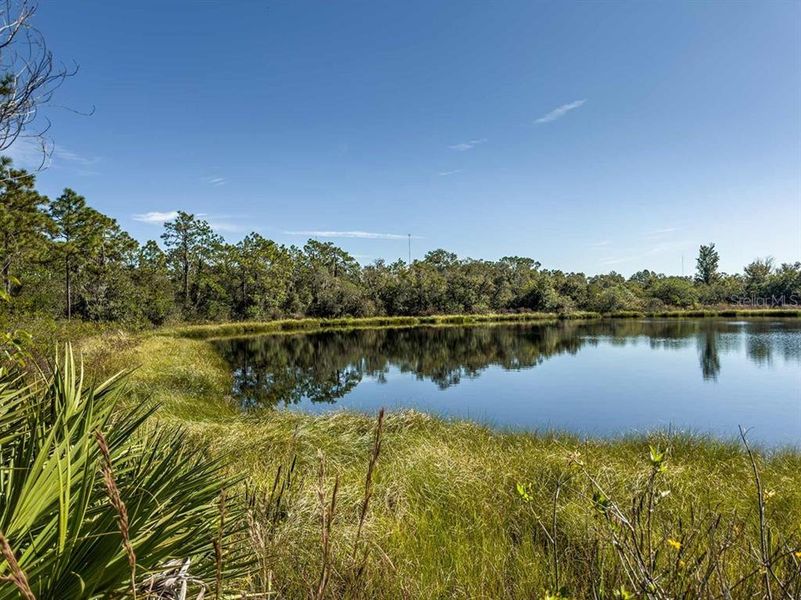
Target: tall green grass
x=308, y=324
x=244, y=328
x=446, y=518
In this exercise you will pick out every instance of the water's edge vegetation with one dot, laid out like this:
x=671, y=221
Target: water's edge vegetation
x=245, y=328
x=455, y=509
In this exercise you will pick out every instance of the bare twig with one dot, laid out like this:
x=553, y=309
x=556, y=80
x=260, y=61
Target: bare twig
x=327, y=512
x=29, y=76
x=368, y=483
x=173, y=582
x=763, y=533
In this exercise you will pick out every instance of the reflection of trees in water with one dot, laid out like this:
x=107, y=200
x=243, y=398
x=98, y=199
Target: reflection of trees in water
x=764, y=346
x=326, y=366
x=765, y=341
x=708, y=351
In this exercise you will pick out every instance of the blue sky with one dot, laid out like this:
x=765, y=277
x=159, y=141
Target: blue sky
x=591, y=136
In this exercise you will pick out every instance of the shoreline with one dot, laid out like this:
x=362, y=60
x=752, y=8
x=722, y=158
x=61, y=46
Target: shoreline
x=192, y=383
x=307, y=324
x=444, y=487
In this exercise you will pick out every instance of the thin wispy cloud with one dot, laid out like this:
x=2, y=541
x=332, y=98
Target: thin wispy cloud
x=446, y=173
x=600, y=244
x=363, y=235
x=34, y=154
x=219, y=223
x=155, y=217
x=468, y=145
x=63, y=154
x=616, y=261
x=29, y=154
x=227, y=227
x=638, y=254
x=658, y=234
x=560, y=111
x=216, y=181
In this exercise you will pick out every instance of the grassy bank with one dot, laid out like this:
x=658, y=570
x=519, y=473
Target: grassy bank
x=446, y=518
x=309, y=324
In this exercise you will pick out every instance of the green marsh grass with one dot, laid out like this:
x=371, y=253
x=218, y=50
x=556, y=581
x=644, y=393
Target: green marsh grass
x=308, y=324
x=445, y=517
x=245, y=328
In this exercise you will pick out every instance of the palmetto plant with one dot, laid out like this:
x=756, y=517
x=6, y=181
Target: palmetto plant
x=72, y=459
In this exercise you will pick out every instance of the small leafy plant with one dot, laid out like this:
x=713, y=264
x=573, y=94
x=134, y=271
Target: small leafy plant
x=96, y=504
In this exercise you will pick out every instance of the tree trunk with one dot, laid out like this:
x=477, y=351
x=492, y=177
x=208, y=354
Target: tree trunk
x=68, y=286
x=186, y=276
x=244, y=292
x=7, y=266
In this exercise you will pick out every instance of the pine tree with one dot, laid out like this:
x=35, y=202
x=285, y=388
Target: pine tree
x=707, y=264
x=261, y=270
x=77, y=233
x=24, y=225
x=154, y=290
x=110, y=259
x=191, y=244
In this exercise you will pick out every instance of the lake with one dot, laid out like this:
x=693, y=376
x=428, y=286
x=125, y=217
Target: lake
x=600, y=378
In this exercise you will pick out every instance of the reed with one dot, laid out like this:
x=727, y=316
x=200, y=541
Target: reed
x=17, y=576
x=368, y=494
x=118, y=504
x=635, y=516
x=327, y=512
x=290, y=325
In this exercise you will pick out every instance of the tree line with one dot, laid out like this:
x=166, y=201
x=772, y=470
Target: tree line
x=64, y=258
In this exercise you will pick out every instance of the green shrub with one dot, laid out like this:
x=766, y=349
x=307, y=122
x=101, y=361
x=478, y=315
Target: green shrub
x=95, y=503
x=675, y=291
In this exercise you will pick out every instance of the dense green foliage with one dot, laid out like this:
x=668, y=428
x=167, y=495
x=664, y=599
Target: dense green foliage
x=64, y=258
x=93, y=498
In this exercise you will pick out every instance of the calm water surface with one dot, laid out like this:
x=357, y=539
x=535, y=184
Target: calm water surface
x=600, y=378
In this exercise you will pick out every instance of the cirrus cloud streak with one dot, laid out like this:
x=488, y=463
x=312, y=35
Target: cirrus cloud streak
x=156, y=217
x=364, y=235
x=560, y=111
